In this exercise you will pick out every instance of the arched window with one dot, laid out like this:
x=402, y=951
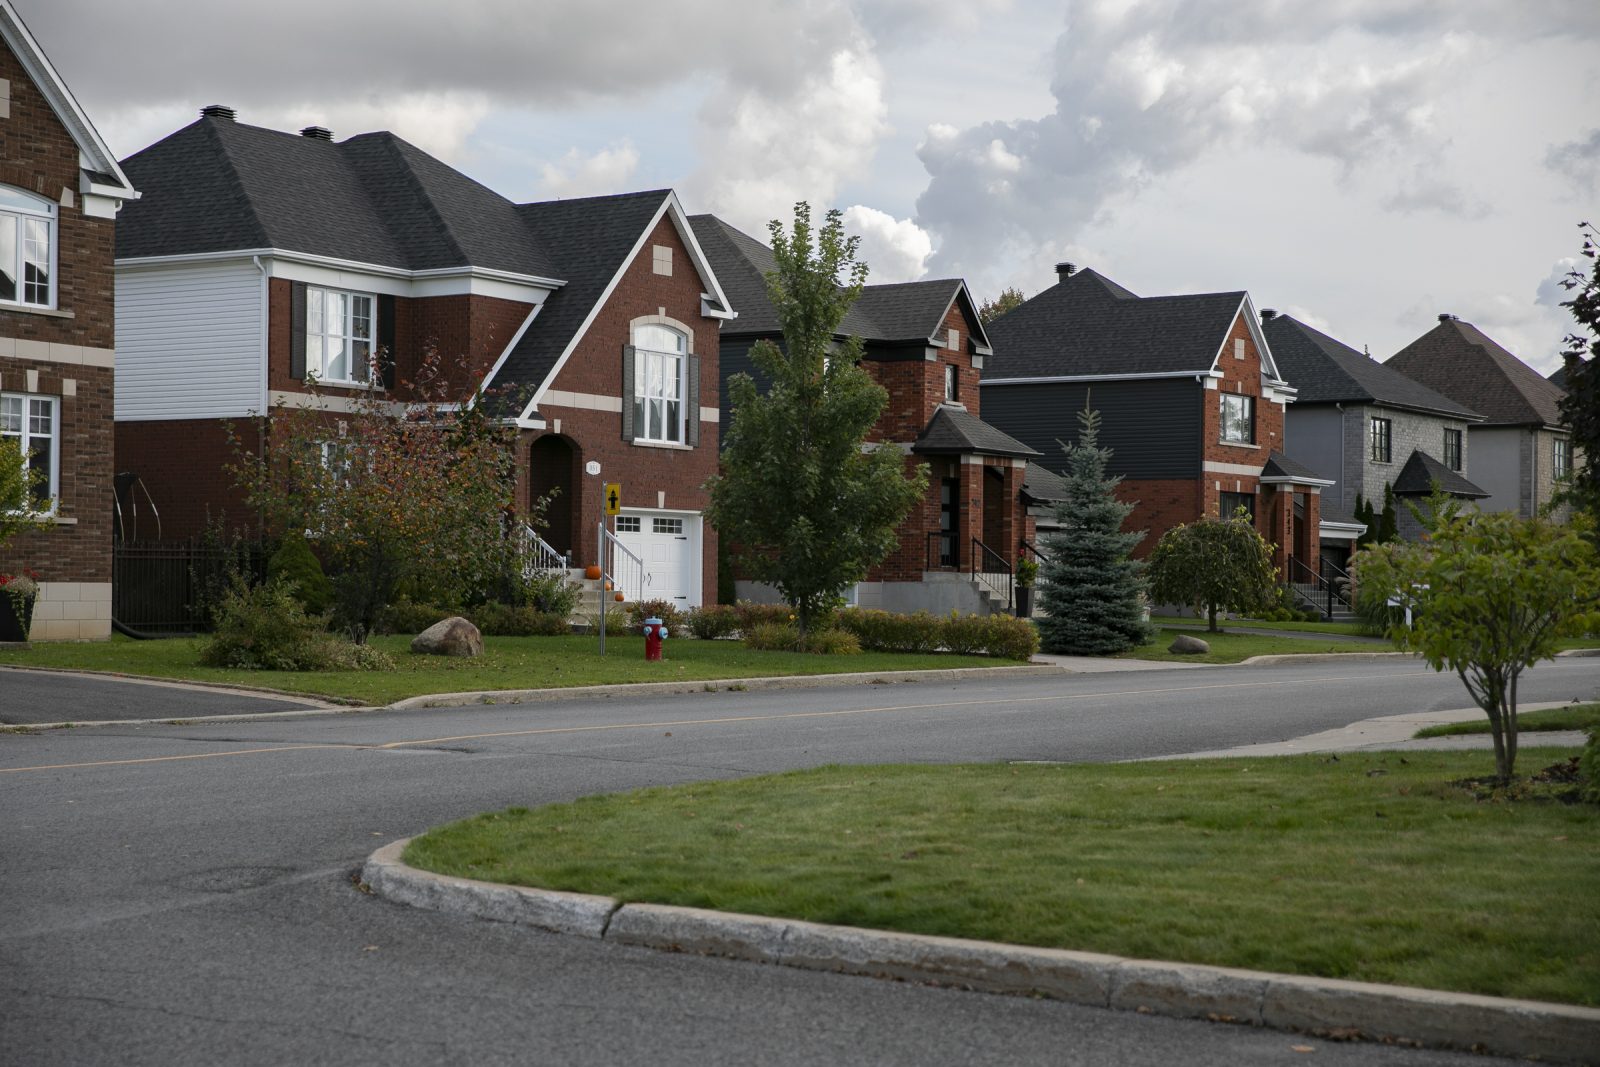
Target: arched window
x=658, y=384
x=27, y=248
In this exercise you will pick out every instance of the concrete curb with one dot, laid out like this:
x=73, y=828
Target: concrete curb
x=711, y=685
x=1554, y=1032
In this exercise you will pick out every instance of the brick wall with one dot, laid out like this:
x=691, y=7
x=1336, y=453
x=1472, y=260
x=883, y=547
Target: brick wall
x=182, y=463
x=595, y=368
x=1159, y=505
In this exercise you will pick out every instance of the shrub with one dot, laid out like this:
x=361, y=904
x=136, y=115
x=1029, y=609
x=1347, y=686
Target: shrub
x=882, y=631
x=508, y=620
x=967, y=635
x=265, y=628
x=772, y=637
x=295, y=562
x=617, y=624
x=712, y=621
x=409, y=617
x=751, y=615
x=665, y=610
x=1589, y=767
x=552, y=594
x=1011, y=638
x=833, y=642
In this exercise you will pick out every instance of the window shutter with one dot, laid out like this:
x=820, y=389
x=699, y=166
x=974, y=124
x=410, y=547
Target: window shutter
x=386, y=339
x=692, y=401
x=297, y=330
x=628, y=355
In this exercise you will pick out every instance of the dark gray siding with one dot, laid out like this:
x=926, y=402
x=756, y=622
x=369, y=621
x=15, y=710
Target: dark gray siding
x=733, y=357
x=1152, y=426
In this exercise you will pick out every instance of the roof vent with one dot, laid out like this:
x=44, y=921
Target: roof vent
x=317, y=133
x=1268, y=314
x=1066, y=270
x=218, y=111
x=1445, y=316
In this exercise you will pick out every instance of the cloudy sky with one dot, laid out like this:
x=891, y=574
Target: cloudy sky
x=1362, y=164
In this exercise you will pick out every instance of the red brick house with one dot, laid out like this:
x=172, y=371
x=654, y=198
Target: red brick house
x=925, y=345
x=1192, y=405
x=260, y=258
x=60, y=191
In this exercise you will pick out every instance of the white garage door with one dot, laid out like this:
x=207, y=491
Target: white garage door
x=670, y=547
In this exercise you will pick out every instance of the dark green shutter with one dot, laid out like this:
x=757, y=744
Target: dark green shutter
x=386, y=340
x=628, y=355
x=692, y=402
x=297, y=330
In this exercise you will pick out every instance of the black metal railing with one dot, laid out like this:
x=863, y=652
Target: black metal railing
x=172, y=587
x=1328, y=598
x=1029, y=551
x=993, y=571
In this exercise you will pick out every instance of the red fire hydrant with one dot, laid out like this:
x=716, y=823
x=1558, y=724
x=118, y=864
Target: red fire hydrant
x=654, y=633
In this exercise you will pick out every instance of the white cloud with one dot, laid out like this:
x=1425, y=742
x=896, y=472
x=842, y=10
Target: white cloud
x=896, y=250
x=596, y=174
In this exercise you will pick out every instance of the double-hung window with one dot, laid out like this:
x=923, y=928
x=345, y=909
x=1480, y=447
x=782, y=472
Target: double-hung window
x=1452, y=449
x=34, y=423
x=339, y=335
x=660, y=355
x=27, y=248
x=1228, y=505
x=1238, y=419
x=1382, y=441
x=1562, y=467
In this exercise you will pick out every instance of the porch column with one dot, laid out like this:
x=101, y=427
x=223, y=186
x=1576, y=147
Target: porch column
x=1011, y=516
x=971, y=516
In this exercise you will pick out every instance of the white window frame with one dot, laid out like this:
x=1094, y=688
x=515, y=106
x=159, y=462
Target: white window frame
x=316, y=339
x=1249, y=404
x=28, y=439
x=1561, y=458
x=648, y=400
x=41, y=212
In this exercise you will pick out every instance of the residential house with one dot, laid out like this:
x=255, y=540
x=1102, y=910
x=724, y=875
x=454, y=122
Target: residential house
x=259, y=260
x=924, y=343
x=1191, y=404
x=60, y=190
x=1369, y=427
x=1521, y=451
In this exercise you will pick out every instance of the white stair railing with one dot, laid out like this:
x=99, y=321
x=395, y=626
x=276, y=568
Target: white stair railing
x=621, y=572
x=537, y=554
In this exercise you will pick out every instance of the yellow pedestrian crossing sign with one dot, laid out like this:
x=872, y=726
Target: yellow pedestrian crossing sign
x=613, y=497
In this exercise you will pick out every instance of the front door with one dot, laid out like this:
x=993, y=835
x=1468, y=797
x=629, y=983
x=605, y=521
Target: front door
x=949, y=521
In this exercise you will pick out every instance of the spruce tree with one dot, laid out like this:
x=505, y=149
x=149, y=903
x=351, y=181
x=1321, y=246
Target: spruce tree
x=1091, y=589
x=1388, y=520
x=1364, y=515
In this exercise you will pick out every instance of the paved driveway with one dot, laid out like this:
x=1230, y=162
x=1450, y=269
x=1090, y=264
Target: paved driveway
x=28, y=697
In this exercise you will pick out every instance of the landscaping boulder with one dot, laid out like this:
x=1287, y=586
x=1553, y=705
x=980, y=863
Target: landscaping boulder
x=1186, y=645
x=454, y=636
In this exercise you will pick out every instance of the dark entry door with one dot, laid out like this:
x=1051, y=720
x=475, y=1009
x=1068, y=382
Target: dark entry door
x=949, y=521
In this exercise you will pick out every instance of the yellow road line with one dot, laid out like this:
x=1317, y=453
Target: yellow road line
x=1300, y=681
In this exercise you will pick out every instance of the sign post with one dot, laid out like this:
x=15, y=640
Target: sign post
x=611, y=499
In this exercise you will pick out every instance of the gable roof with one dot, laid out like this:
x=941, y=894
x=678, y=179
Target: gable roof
x=956, y=431
x=892, y=313
x=220, y=185
x=1043, y=485
x=1087, y=326
x=1422, y=470
x=1280, y=468
x=1465, y=364
x=1326, y=371
x=100, y=174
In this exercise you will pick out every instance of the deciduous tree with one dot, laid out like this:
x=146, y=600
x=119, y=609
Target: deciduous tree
x=1490, y=596
x=807, y=507
x=1215, y=565
x=20, y=486
x=1008, y=299
x=1580, y=408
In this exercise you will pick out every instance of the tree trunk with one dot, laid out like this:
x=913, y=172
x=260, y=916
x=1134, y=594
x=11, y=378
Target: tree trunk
x=1211, y=619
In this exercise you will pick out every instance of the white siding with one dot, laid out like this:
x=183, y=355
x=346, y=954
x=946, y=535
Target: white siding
x=189, y=342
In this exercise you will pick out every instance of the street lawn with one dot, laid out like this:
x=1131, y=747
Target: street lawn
x=1349, y=629
x=1371, y=868
x=1233, y=647
x=507, y=663
x=1572, y=717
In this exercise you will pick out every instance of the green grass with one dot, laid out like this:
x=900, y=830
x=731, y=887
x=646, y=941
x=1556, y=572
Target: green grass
x=1349, y=629
x=1572, y=717
x=507, y=663
x=1371, y=868
x=1233, y=647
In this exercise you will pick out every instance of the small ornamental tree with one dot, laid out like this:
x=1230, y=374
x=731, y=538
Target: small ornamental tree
x=1091, y=589
x=806, y=508
x=1491, y=595
x=420, y=492
x=20, y=489
x=1214, y=565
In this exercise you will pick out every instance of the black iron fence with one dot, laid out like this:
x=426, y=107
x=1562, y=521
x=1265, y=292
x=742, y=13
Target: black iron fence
x=173, y=587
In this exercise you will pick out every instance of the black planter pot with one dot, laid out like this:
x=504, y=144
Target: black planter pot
x=14, y=624
x=1024, y=601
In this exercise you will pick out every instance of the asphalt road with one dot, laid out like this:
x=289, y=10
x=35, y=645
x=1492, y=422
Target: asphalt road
x=28, y=697
x=184, y=895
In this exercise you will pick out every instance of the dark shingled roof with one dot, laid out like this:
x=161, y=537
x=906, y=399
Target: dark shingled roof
x=1422, y=470
x=952, y=430
x=1086, y=324
x=1043, y=485
x=1463, y=363
x=1327, y=371
x=1279, y=465
x=905, y=312
x=218, y=185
